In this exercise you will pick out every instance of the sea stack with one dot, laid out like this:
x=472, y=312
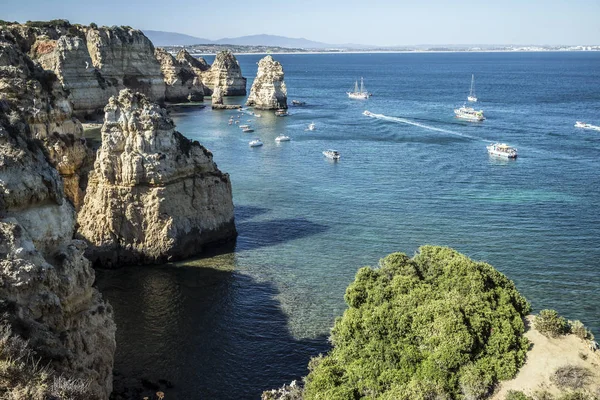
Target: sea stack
x=183, y=81
x=153, y=195
x=268, y=91
x=226, y=74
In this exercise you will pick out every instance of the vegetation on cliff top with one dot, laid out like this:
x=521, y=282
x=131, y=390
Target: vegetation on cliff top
x=439, y=325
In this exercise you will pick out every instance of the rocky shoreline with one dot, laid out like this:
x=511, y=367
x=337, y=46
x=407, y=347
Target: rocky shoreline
x=141, y=193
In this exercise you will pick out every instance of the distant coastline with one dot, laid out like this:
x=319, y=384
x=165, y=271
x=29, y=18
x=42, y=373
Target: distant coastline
x=199, y=50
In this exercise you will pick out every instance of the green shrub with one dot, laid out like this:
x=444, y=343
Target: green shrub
x=577, y=395
x=550, y=324
x=439, y=325
x=578, y=329
x=543, y=395
x=516, y=395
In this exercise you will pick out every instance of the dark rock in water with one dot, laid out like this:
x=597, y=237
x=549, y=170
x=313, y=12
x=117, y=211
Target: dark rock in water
x=226, y=106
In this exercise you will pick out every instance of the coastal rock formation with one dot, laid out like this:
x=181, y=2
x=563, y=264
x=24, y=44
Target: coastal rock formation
x=268, y=91
x=38, y=98
x=153, y=195
x=46, y=292
x=125, y=58
x=182, y=76
x=225, y=73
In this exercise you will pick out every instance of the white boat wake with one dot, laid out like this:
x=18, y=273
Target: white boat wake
x=408, y=122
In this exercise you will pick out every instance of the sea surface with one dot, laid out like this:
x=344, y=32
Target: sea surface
x=249, y=317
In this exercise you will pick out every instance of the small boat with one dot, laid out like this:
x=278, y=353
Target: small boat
x=332, y=154
x=255, y=143
x=361, y=94
x=247, y=130
x=311, y=126
x=257, y=115
x=281, y=113
x=282, y=138
x=244, y=126
x=583, y=125
x=471, y=97
x=367, y=113
x=469, y=113
x=502, y=150
x=298, y=103
x=237, y=122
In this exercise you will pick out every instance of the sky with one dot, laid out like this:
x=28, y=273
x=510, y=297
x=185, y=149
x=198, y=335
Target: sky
x=374, y=22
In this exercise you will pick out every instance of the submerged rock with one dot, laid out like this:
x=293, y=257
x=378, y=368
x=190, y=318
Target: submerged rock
x=153, y=195
x=268, y=91
x=226, y=74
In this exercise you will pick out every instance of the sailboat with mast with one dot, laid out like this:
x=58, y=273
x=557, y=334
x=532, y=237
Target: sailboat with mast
x=359, y=94
x=472, y=97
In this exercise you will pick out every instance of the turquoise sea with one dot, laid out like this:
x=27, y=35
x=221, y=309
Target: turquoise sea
x=249, y=317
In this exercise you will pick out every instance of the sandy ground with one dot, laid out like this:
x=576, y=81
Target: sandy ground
x=545, y=356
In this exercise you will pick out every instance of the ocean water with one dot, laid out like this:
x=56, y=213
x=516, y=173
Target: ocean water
x=250, y=317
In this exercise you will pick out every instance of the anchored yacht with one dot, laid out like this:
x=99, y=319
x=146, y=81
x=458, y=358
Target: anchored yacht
x=361, y=94
x=282, y=138
x=332, y=154
x=255, y=143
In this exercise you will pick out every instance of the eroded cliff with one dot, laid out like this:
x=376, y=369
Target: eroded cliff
x=268, y=90
x=225, y=73
x=182, y=76
x=153, y=195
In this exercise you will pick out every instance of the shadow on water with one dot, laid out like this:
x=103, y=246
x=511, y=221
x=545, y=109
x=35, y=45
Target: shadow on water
x=213, y=333
x=253, y=235
x=243, y=213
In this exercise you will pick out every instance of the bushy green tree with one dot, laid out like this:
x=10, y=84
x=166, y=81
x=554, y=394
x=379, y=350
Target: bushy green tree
x=437, y=326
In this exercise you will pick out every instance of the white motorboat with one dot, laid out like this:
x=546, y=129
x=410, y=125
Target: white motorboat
x=282, y=138
x=244, y=126
x=332, y=154
x=255, y=143
x=469, y=114
x=502, y=150
x=312, y=126
x=281, y=113
x=247, y=130
x=361, y=93
x=257, y=115
x=472, y=97
x=583, y=125
x=298, y=103
x=367, y=113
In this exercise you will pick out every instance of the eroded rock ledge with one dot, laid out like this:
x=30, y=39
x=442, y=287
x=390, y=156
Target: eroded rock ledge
x=153, y=195
x=226, y=74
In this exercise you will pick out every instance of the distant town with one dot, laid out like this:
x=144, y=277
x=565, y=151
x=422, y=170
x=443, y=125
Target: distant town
x=200, y=49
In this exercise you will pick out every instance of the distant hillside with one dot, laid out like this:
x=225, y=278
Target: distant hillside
x=160, y=38
x=273, y=40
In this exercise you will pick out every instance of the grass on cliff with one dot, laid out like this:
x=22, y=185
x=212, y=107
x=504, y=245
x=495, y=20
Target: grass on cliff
x=437, y=326
x=23, y=377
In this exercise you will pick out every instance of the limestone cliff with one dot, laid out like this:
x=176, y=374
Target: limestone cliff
x=153, y=195
x=182, y=78
x=268, y=91
x=225, y=73
x=46, y=290
x=38, y=98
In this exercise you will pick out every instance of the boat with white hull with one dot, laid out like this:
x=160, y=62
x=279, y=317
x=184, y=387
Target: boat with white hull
x=282, y=138
x=255, y=143
x=583, y=125
x=312, y=126
x=472, y=97
x=501, y=150
x=469, y=114
x=360, y=94
x=332, y=154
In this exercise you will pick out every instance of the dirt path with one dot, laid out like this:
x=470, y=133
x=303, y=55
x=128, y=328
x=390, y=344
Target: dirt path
x=545, y=357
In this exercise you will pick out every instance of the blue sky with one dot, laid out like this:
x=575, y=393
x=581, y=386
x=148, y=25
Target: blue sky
x=379, y=22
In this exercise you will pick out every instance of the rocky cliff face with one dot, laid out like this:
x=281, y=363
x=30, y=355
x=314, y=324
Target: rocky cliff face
x=153, y=195
x=268, y=91
x=225, y=73
x=182, y=76
x=46, y=288
x=38, y=99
